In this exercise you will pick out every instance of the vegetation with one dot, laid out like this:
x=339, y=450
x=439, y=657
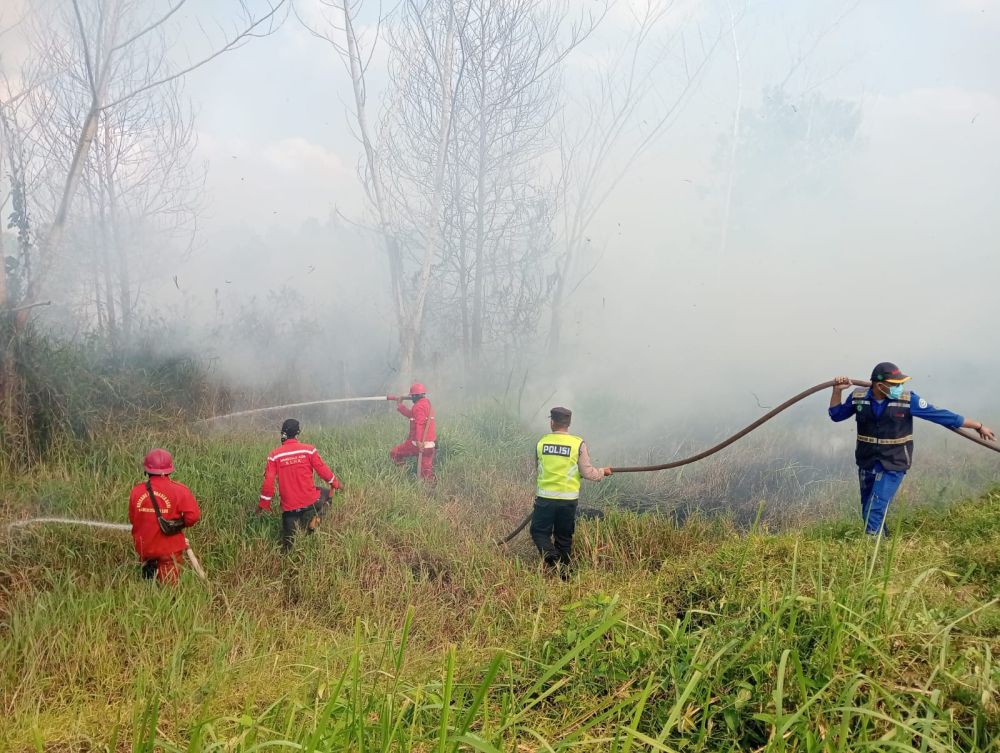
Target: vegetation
x=401, y=627
x=75, y=389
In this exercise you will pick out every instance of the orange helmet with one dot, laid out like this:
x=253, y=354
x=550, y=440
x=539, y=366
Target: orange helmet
x=417, y=389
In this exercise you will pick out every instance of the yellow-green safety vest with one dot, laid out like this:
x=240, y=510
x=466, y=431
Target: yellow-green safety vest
x=558, y=466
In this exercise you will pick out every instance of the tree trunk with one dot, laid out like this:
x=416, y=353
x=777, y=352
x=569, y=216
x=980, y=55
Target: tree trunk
x=479, y=262
x=407, y=353
x=558, y=299
x=4, y=303
x=479, y=289
x=99, y=90
x=734, y=146
x=107, y=295
x=10, y=382
x=393, y=253
x=8, y=373
x=119, y=253
x=432, y=226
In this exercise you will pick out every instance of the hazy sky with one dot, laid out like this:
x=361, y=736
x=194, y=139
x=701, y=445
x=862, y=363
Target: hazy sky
x=889, y=250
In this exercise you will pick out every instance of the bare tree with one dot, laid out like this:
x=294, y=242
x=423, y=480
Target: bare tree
x=602, y=143
x=453, y=173
x=425, y=71
x=25, y=108
x=142, y=191
x=125, y=49
x=427, y=42
x=112, y=33
x=497, y=222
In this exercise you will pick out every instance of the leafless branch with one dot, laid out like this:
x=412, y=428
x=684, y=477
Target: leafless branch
x=257, y=28
x=150, y=28
x=27, y=306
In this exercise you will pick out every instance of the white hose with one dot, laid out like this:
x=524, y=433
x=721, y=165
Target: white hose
x=195, y=564
x=73, y=521
x=293, y=405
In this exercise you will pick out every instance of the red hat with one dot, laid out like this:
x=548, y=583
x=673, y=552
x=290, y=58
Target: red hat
x=417, y=389
x=158, y=462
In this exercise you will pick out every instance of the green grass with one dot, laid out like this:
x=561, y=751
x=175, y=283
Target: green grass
x=400, y=627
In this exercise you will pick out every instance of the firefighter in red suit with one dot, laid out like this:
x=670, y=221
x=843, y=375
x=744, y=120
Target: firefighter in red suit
x=420, y=441
x=293, y=463
x=161, y=555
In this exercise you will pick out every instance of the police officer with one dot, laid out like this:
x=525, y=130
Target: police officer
x=884, y=451
x=562, y=460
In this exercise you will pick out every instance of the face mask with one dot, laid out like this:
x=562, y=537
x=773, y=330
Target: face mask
x=895, y=392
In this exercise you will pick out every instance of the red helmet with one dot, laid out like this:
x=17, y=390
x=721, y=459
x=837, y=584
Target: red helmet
x=158, y=462
x=417, y=389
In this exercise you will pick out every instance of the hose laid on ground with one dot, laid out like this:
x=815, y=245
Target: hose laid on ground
x=188, y=552
x=739, y=435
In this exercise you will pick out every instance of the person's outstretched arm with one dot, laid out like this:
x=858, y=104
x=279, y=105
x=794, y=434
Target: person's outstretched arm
x=984, y=431
x=944, y=417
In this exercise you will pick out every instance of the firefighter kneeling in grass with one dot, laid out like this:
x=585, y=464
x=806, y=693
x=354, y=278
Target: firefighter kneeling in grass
x=562, y=460
x=159, y=511
x=293, y=463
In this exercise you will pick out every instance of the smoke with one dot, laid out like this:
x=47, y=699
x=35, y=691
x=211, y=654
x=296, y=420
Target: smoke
x=860, y=175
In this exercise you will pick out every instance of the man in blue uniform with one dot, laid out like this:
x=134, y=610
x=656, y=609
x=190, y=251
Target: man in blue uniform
x=884, y=451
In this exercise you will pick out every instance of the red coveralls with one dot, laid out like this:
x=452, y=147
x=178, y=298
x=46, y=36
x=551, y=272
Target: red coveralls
x=421, y=417
x=175, y=501
x=293, y=464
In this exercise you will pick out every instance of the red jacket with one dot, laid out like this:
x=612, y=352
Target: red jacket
x=293, y=463
x=421, y=417
x=175, y=501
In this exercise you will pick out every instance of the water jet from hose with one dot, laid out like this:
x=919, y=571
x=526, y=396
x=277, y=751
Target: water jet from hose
x=306, y=404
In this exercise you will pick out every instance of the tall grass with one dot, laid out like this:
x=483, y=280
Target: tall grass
x=400, y=627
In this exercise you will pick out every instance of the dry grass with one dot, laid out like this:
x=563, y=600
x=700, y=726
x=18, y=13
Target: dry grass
x=400, y=627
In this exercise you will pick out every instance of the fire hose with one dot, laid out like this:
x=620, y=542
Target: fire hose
x=188, y=551
x=737, y=436
x=306, y=404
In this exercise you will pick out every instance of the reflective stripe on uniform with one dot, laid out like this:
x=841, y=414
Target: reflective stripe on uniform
x=877, y=440
x=293, y=452
x=427, y=445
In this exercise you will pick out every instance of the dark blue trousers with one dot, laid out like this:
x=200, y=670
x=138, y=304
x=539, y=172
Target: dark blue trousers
x=877, y=490
x=553, y=522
